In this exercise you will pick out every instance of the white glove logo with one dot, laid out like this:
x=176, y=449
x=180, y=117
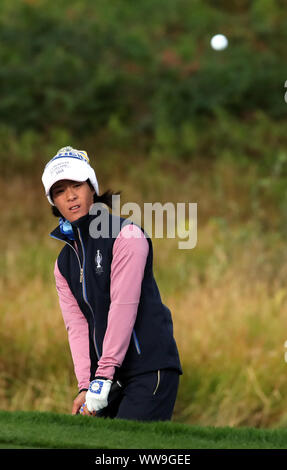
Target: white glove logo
x=96, y=386
x=97, y=395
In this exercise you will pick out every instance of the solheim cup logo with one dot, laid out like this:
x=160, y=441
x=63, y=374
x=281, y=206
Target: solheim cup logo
x=96, y=386
x=98, y=259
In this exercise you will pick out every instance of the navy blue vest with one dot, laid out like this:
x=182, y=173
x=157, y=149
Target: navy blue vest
x=87, y=272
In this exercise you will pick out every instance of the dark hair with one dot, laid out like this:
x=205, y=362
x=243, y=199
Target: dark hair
x=105, y=198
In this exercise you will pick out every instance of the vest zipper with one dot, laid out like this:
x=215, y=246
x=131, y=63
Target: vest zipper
x=82, y=281
x=79, y=261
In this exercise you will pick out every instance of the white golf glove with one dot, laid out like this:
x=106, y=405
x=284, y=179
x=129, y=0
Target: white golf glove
x=97, y=395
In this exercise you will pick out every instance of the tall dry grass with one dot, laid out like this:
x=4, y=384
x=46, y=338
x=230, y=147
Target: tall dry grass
x=228, y=297
x=231, y=334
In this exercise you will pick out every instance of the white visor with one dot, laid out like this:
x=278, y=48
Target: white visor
x=74, y=167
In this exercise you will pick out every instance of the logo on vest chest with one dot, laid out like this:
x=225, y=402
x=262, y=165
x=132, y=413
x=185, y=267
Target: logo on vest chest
x=98, y=260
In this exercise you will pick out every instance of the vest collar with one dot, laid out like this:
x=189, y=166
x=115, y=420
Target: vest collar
x=81, y=223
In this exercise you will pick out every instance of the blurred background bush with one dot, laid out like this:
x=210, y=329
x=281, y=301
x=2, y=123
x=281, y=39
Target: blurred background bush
x=164, y=117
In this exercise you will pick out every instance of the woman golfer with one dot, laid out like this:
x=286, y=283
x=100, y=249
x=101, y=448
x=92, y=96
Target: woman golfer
x=120, y=333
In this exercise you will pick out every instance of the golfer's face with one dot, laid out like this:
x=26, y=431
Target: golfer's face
x=72, y=198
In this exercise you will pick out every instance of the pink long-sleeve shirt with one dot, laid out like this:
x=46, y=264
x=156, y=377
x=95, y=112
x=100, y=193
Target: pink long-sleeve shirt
x=130, y=252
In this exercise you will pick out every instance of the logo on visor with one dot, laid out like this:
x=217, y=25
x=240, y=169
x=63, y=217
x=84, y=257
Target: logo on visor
x=69, y=152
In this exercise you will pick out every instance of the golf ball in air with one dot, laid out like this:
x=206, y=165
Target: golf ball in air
x=219, y=42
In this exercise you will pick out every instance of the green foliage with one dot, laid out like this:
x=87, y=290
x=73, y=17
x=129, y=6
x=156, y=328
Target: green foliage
x=51, y=431
x=137, y=70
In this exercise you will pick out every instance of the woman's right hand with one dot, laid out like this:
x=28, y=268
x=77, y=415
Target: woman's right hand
x=78, y=402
